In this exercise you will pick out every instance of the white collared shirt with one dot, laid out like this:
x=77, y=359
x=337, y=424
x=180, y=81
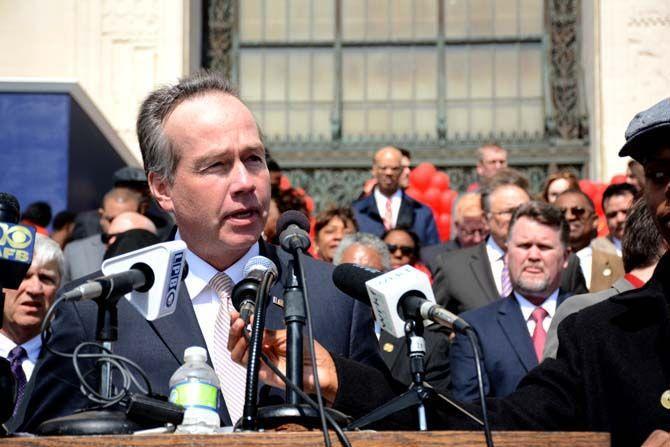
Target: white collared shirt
x=380, y=200
x=32, y=347
x=205, y=301
x=585, y=256
x=527, y=309
x=495, y=255
x=617, y=245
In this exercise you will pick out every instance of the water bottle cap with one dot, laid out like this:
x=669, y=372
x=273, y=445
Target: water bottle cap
x=195, y=353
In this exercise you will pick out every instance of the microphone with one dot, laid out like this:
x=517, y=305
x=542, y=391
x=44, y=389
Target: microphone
x=16, y=243
x=149, y=278
x=244, y=293
x=394, y=296
x=293, y=231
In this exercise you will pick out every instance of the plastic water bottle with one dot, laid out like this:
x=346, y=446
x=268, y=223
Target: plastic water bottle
x=195, y=387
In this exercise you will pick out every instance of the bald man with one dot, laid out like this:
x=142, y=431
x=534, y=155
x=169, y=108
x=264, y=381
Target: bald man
x=126, y=221
x=388, y=206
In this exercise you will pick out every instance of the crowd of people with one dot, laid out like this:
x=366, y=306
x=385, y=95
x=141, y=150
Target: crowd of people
x=516, y=265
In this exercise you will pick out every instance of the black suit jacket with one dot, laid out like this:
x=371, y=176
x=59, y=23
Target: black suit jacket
x=436, y=360
x=463, y=280
x=611, y=369
x=340, y=323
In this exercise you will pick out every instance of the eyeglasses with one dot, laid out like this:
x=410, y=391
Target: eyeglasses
x=405, y=250
x=577, y=211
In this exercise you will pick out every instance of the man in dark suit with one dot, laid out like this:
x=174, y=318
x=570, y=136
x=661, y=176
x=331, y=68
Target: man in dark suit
x=23, y=313
x=473, y=277
x=612, y=357
x=512, y=330
x=388, y=206
x=206, y=164
x=469, y=225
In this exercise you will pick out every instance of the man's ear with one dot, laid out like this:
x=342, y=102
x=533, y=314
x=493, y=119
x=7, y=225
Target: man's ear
x=161, y=190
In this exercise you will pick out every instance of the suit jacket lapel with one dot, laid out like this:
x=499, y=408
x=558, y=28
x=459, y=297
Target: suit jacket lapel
x=180, y=330
x=514, y=327
x=481, y=269
x=406, y=212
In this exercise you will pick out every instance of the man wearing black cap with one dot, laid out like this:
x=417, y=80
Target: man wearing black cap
x=612, y=371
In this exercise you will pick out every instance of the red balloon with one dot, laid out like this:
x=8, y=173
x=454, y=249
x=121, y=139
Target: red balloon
x=444, y=226
x=440, y=181
x=415, y=194
x=447, y=201
x=432, y=196
x=420, y=176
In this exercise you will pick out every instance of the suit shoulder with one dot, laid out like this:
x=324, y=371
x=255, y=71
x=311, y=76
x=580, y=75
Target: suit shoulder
x=486, y=312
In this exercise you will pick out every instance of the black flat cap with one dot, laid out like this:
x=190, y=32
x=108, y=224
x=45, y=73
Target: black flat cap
x=647, y=131
x=129, y=174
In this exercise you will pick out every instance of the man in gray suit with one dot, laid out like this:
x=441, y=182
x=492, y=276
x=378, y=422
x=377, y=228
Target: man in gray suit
x=642, y=247
x=473, y=277
x=84, y=256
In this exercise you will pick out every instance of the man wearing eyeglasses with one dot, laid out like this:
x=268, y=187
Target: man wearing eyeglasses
x=474, y=277
x=601, y=269
x=388, y=206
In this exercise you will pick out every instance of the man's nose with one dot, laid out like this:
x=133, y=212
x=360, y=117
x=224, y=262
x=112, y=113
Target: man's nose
x=34, y=286
x=241, y=179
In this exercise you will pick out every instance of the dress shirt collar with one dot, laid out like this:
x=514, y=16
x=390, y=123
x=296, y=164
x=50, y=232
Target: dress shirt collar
x=527, y=307
x=200, y=272
x=32, y=347
x=493, y=250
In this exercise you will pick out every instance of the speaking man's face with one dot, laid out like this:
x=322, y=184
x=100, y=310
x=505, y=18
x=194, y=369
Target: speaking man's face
x=220, y=194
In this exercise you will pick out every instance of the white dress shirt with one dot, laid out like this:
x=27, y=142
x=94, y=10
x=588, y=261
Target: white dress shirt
x=495, y=255
x=527, y=309
x=205, y=301
x=380, y=200
x=585, y=256
x=32, y=347
x=617, y=245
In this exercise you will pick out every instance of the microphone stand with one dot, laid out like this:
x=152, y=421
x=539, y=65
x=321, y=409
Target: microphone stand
x=419, y=392
x=97, y=422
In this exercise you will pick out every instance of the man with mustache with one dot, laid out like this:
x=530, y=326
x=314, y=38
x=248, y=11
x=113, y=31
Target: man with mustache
x=512, y=331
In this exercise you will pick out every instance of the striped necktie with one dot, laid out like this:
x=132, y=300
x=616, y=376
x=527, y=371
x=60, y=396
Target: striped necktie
x=232, y=377
x=505, y=281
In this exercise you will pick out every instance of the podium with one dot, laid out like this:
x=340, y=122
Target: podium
x=313, y=438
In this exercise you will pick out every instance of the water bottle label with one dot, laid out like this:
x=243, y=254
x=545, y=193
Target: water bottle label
x=198, y=394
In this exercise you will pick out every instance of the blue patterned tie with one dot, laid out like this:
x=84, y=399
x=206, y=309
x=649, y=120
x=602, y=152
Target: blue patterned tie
x=16, y=357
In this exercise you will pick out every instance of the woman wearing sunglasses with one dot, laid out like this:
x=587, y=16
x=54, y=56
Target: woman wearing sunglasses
x=404, y=247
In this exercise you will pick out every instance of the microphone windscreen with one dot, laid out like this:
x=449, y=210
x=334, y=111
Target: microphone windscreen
x=9, y=208
x=351, y=279
x=260, y=263
x=292, y=217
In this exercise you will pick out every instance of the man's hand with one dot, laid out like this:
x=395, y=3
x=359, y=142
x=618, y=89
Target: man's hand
x=274, y=346
x=658, y=438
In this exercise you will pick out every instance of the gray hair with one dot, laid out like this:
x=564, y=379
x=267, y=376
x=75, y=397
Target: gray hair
x=365, y=240
x=158, y=153
x=47, y=251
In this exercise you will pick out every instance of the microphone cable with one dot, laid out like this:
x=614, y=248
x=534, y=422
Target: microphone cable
x=118, y=363
x=318, y=406
x=474, y=342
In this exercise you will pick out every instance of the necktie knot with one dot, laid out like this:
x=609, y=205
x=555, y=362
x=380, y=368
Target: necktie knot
x=539, y=314
x=222, y=284
x=17, y=355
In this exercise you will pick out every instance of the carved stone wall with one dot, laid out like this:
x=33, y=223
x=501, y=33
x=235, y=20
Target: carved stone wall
x=634, y=73
x=117, y=50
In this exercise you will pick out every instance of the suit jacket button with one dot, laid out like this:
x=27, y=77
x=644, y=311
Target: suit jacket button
x=665, y=399
x=388, y=347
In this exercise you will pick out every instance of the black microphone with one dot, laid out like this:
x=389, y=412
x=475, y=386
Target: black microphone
x=140, y=277
x=394, y=299
x=244, y=293
x=293, y=231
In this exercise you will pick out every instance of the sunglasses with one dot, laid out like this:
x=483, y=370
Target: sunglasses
x=576, y=211
x=404, y=249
